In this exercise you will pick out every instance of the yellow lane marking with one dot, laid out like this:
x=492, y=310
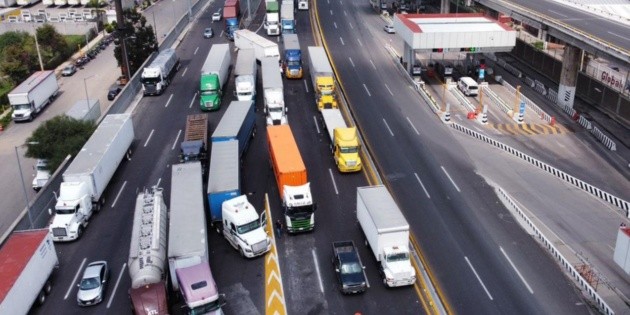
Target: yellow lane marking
x=274, y=292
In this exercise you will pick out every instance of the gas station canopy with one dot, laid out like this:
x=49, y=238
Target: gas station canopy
x=440, y=33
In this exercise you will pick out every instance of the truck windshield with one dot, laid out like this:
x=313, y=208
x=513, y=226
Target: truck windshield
x=344, y=150
x=327, y=89
x=206, y=308
x=67, y=210
x=21, y=106
x=244, y=93
x=209, y=92
x=275, y=109
x=351, y=268
x=150, y=80
x=296, y=63
x=301, y=210
x=397, y=257
x=248, y=227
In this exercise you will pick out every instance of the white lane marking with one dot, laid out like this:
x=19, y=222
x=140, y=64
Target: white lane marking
x=221, y=35
x=366, y=89
x=184, y=73
x=373, y=66
x=305, y=86
x=176, y=139
x=387, y=125
x=517, y=272
x=196, y=50
x=111, y=297
x=319, y=275
x=342, y=43
x=360, y=43
x=449, y=177
x=333, y=181
x=328, y=1
x=611, y=33
x=478, y=278
x=193, y=100
x=351, y=62
x=331, y=12
x=335, y=24
x=316, y=124
x=118, y=194
x=421, y=184
x=412, y=126
x=558, y=13
x=390, y=91
x=345, y=13
x=340, y=2
x=169, y=100
x=352, y=27
x=158, y=183
x=74, y=280
x=149, y=138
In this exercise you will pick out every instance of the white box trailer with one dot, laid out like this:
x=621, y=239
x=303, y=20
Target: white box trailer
x=318, y=64
x=273, y=93
x=27, y=261
x=187, y=235
x=32, y=95
x=88, y=110
x=246, y=39
x=245, y=75
x=333, y=119
x=99, y=158
x=387, y=233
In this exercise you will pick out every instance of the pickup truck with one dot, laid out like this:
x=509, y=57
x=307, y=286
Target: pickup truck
x=349, y=267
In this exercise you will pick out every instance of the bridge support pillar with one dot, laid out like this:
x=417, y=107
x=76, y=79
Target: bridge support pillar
x=568, y=77
x=542, y=35
x=409, y=58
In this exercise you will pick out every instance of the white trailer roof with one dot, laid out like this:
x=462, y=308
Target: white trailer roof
x=232, y=119
x=454, y=32
x=254, y=38
x=215, y=57
x=224, y=174
x=98, y=144
x=319, y=60
x=32, y=81
x=270, y=73
x=244, y=61
x=333, y=119
x=187, y=221
x=291, y=41
x=382, y=207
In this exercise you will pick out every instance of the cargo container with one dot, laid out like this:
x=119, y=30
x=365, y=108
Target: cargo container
x=238, y=123
x=246, y=39
x=224, y=177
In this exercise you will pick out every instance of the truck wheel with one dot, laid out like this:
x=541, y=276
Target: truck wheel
x=41, y=297
x=254, y=132
x=240, y=250
x=80, y=232
x=48, y=286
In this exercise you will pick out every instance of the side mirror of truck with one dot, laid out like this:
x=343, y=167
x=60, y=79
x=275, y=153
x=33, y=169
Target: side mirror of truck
x=49, y=211
x=336, y=269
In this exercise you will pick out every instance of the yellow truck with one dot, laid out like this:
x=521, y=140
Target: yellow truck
x=322, y=77
x=344, y=142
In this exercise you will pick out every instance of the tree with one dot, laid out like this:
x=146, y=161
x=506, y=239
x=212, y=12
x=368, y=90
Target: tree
x=58, y=137
x=138, y=38
x=18, y=56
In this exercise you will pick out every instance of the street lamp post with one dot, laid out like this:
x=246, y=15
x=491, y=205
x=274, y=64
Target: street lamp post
x=28, y=208
x=39, y=55
x=87, y=98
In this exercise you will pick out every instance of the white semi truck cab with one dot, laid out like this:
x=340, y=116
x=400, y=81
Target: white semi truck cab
x=243, y=228
x=72, y=212
x=299, y=207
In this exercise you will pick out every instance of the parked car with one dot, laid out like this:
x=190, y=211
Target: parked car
x=216, y=16
x=93, y=284
x=208, y=33
x=389, y=29
x=113, y=92
x=68, y=70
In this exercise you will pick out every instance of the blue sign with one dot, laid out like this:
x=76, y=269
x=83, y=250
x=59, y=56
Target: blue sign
x=521, y=109
x=482, y=73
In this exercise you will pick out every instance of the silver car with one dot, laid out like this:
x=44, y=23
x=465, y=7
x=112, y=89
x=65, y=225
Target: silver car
x=93, y=284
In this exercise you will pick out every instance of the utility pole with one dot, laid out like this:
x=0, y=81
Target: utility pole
x=120, y=28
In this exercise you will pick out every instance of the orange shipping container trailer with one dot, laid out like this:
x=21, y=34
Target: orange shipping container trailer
x=285, y=157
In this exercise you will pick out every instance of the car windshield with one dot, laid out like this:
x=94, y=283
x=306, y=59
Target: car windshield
x=350, y=268
x=68, y=69
x=248, y=227
x=89, y=284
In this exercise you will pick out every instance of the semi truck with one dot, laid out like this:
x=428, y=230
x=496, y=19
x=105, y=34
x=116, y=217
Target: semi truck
x=147, y=254
x=195, y=144
x=243, y=228
x=293, y=186
x=292, y=63
x=245, y=71
x=344, y=142
x=27, y=262
x=188, y=262
x=158, y=75
x=87, y=177
x=238, y=123
x=214, y=75
x=322, y=77
x=302, y=4
x=387, y=232
x=231, y=13
x=32, y=95
x=287, y=19
x=273, y=93
x=272, y=18
x=224, y=177
x=246, y=39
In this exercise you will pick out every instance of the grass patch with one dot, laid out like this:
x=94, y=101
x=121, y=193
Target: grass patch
x=75, y=42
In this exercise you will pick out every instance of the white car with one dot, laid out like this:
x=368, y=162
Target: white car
x=216, y=16
x=93, y=284
x=389, y=29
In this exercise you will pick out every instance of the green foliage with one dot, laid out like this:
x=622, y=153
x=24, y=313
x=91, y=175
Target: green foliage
x=539, y=45
x=6, y=119
x=140, y=40
x=58, y=137
x=109, y=28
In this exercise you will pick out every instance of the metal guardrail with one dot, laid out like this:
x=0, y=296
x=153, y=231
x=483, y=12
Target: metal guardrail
x=495, y=98
x=591, y=292
x=605, y=196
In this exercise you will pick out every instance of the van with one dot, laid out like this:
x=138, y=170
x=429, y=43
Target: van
x=468, y=86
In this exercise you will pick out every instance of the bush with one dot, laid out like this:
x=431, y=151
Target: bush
x=539, y=45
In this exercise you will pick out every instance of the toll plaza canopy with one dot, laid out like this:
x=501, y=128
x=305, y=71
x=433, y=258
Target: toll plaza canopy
x=454, y=32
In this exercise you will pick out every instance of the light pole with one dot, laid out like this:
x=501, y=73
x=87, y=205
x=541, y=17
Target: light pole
x=39, y=55
x=87, y=98
x=126, y=57
x=28, y=208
